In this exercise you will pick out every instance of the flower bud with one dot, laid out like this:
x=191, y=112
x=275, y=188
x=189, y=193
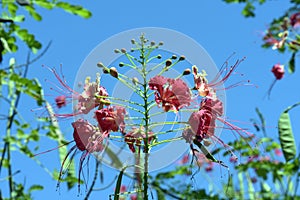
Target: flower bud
x=278, y=71
x=152, y=43
x=160, y=43
x=181, y=58
x=105, y=70
x=158, y=56
x=100, y=64
x=113, y=72
x=117, y=51
x=174, y=57
x=121, y=64
x=123, y=50
x=207, y=143
x=168, y=63
x=132, y=41
x=135, y=80
x=186, y=72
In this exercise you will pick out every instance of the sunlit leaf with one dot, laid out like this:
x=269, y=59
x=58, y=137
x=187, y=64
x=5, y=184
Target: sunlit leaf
x=35, y=187
x=74, y=9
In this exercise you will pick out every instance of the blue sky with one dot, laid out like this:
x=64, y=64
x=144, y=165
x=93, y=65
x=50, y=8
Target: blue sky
x=218, y=27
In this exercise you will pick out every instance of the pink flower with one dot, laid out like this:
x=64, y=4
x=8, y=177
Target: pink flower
x=233, y=159
x=278, y=152
x=202, y=124
x=85, y=136
x=135, y=138
x=208, y=89
x=92, y=96
x=111, y=119
x=133, y=197
x=60, y=101
x=278, y=71
x=184, y=160
x=277, y=43
x=210, y=166
x=295, y=19
x=188, y=135
x=215, y=106
x=87, y=139
x=173, y=94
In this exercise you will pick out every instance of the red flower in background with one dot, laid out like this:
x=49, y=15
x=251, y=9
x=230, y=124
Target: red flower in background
x=278, y=71
x=173, y=94
x=295, y=19
x=60, y=101
x=111, y=119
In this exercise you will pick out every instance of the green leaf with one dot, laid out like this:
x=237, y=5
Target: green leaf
x=241, y=183
x=262, y=120
x=291, y=68
x=35, y=187
x=251, y=191
x=207, y=154
x=44, y=4
x=286, y=136
x=33, y=13
x=160, y=194
x=248, y=10
x=12, y=9
x=118, y=186
x=19, y=18
x=74, y=9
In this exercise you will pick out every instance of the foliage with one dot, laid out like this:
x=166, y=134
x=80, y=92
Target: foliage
x=19, y=133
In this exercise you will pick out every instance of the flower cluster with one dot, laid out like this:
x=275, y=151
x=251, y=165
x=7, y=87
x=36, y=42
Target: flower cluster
x=173, y=95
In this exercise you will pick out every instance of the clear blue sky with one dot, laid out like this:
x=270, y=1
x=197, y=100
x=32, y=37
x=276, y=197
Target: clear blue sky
x=218, y=27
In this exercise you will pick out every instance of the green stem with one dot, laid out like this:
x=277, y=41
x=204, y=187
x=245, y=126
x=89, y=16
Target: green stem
x=165, y=123
x=146, y=104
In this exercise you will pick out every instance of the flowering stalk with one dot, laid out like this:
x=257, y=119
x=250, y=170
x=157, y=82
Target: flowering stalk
x=173, y=95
